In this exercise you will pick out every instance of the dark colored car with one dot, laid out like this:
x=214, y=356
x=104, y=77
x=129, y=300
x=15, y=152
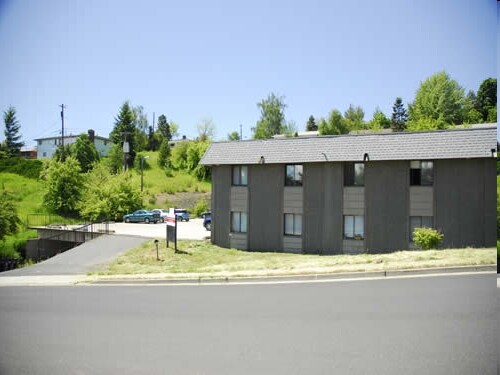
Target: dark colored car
x=181, y=214
x=207, y=220
x=142, y=216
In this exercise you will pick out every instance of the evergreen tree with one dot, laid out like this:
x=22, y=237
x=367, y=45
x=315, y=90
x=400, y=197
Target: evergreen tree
x=399, y=116
x=353, y=118
x=311, y=124
x=125, y=129
x=12, y=137
x=487, y=98
x=164, y=154
x=164, y=128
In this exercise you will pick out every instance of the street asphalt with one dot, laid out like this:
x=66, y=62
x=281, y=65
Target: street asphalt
x=421, y=325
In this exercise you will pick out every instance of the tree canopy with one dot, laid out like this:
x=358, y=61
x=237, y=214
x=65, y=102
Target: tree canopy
x=272, y=117
x=9, y=219
x=334, y=125
x=438, y=102
x=311, y=124
x=84, y=152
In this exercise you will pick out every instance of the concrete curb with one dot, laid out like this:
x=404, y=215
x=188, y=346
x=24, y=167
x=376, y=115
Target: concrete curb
x=298, y=278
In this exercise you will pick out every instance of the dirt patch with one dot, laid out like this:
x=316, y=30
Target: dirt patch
x=181, y=200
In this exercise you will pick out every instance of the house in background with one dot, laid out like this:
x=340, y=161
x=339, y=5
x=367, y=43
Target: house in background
x=354, y=193
x=48, y=146
x=28, y=152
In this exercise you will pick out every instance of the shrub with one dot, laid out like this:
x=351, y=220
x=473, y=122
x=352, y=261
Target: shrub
x=427, y=238
x=23, y=167
x=200, y=207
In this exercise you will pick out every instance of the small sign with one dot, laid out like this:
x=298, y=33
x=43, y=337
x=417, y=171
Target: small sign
x=171, y=228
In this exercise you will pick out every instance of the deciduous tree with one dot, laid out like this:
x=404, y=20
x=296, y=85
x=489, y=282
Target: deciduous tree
x=9, y=219
x=233, y=136
x=63, y=185
x=335, y=124
x=206, y=129
x=84, y=152
x=353, y=118
x=438, y=98
x=272, y=117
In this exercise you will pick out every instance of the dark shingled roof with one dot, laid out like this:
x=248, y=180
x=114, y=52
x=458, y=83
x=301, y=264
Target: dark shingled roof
x=474, y=142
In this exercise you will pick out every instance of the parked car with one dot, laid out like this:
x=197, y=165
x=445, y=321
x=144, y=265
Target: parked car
x=142, y=216
x=181, y=214
x=207, y=220
x=163, y=214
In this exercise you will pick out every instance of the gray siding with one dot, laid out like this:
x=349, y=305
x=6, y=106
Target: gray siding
x=265, y=219
x=238, y=241
x=386, y=220
x=292, y=244
x=322, y=219
x=354, y=200
x=239, y=198
x=465, y=201
x=221, y=187
x=353, y=246
x=293, y=198
x=421, y=201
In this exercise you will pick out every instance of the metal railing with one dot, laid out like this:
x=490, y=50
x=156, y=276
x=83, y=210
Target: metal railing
x=72, y=236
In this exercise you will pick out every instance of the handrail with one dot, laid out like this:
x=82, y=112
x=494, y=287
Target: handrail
x=80, y=235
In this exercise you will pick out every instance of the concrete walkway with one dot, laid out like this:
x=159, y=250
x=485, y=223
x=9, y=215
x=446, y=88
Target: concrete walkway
x=79, y=260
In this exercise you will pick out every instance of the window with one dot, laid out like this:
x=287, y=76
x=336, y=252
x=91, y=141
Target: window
x=293, y=175
x=240, y=175
x=44, y=154
x=39, y=143
x=239, y=222
x=293, y=225
x=354, y=174
x=419, y=222
x=354, y=227
x=421, y=173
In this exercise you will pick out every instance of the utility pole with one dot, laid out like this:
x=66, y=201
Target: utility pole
x=62, y=131
x=153, y=122
x=126, y=149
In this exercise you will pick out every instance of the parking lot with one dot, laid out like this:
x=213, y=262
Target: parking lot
x=190, y=230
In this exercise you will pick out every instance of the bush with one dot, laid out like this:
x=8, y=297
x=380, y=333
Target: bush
x=427, y=238
x=24, y=167
x=200, y=207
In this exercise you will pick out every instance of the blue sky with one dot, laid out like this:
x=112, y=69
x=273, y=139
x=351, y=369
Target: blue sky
x=198, y=59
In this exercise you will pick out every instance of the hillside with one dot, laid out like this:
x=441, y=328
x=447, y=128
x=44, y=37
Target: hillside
x=161, y=190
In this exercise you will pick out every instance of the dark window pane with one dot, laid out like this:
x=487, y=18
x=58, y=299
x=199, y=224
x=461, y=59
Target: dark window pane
x=359, y=174
x=348, y=174
x=236, y=175
x=415, y=177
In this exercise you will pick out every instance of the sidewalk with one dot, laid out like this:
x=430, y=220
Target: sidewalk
x=82, y=279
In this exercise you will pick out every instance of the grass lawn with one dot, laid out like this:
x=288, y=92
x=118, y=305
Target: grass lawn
x=202, y=259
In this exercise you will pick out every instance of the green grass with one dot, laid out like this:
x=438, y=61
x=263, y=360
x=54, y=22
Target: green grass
x=158, y=181
x=202, y=259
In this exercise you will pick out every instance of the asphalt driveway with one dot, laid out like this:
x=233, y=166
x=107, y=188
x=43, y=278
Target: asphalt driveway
x=81, y=259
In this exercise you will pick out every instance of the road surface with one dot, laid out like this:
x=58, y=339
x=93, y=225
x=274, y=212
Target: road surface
x=423, y=325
